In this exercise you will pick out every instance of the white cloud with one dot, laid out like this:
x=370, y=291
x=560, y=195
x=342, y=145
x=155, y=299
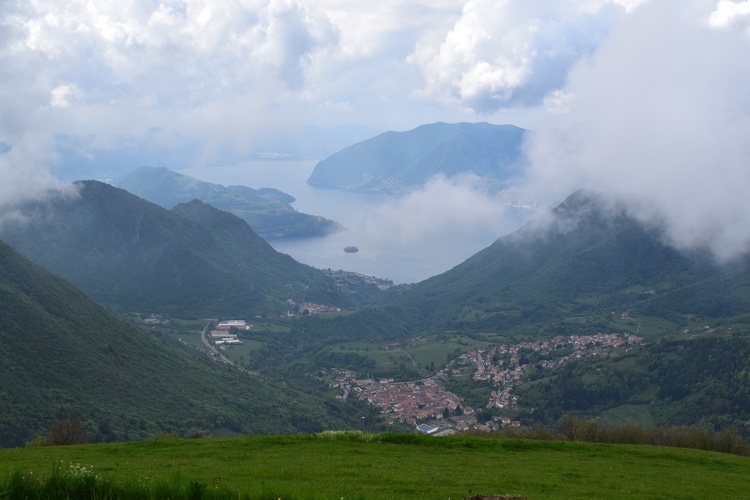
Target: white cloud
x=458, y=206
x=513, y=54
x=730, y=12
x=62, y=95
x=23, y=179
x=660, y=118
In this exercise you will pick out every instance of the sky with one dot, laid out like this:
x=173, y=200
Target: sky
x=644, y=98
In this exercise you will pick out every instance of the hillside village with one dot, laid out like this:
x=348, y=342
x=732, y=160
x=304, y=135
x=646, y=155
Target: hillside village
x=426, y=400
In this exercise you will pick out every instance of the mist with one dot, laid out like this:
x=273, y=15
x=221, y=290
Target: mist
x=453, y=208
x=659, y=119
x=25, y=177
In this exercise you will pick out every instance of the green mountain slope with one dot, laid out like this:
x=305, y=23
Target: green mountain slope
x=395, y=161
x=268, y=211
x=589, y=267
x=130, y=254
x=63, y=356
x=691, y=379
x=586, y=258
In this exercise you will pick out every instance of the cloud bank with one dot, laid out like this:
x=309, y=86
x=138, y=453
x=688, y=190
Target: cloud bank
x=458, y=206
x=659, y=118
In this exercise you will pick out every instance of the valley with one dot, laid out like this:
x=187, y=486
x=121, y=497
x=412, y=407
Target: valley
x=583, y=309
x=450, y=381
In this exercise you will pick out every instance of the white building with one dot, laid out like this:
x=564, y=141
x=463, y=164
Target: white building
x=239, y=324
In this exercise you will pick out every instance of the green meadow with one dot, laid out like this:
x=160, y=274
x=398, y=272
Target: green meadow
x=389, y=466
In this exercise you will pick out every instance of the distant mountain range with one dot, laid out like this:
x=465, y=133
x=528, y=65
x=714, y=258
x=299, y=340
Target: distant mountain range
x=62, y=356
x=133, y=255
x=402, y=161
x=267, y=210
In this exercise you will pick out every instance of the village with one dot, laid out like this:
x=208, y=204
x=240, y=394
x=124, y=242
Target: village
x=506, y=372
x=427, y=405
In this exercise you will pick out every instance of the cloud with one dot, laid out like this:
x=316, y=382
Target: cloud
x=135, y=65
x=216, y=74
x=660, y=117
x=509, y=54
x=455, y=207
x=729, y=12
x=211, y=77
x=24, y=178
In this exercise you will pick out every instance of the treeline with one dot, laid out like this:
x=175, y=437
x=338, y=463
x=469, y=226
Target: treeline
x=573, y=428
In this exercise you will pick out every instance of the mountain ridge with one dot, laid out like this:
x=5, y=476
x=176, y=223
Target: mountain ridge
x=586, y=246
x=400, y=161
x=267, y=210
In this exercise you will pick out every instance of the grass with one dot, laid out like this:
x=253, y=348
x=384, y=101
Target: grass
x=270, y=327
x=193, y=339
x=430, y=351
x=385, y=466
x=625, y=414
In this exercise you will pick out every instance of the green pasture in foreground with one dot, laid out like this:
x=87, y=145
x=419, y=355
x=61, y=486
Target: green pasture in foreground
x=395, y=466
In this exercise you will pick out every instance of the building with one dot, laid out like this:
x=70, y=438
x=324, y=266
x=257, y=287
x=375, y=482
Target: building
x=239, y=324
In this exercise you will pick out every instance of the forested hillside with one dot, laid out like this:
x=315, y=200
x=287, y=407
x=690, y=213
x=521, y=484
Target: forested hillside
x=62, y=356
x=685, y=380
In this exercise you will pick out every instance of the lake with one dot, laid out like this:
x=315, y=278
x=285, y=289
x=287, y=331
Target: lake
x=404, y=238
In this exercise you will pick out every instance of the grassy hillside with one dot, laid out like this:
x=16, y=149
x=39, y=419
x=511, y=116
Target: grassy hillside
x=267, y=211
x=62, y=356
x=130, y=254
x=395, y=161
x=369, y=466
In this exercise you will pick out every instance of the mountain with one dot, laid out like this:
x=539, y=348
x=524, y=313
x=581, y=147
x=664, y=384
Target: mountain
x=589, y=256
x=267, y=210
x=590, y=267
x=398, y=161
x=63, y=356
x=130, y=254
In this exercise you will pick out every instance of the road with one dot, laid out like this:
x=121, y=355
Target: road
x=204, y=338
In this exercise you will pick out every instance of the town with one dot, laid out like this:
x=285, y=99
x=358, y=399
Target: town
x=427, y=400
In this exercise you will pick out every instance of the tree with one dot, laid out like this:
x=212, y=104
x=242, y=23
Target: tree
x=64, y=432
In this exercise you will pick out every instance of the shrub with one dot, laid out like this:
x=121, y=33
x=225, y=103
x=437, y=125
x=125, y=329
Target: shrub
x=63, y=432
